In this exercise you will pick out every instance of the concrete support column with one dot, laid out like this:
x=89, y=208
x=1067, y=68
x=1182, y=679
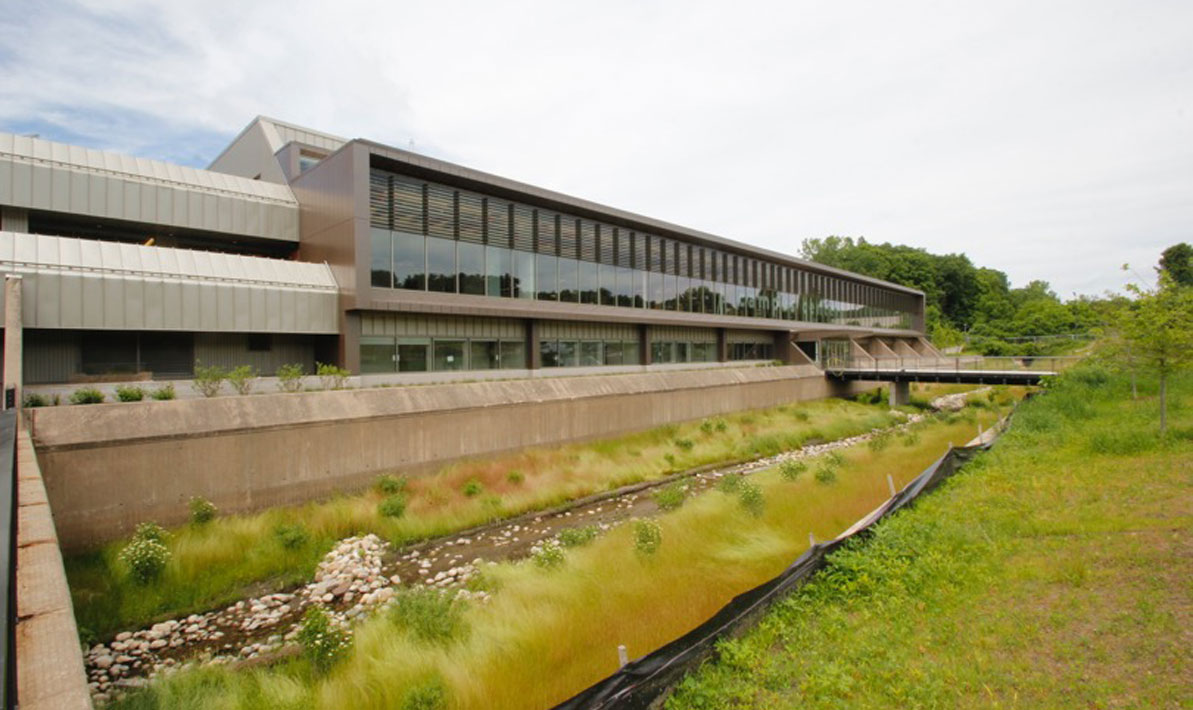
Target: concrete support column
x=722, y=345
x=13, y=349
x=534, y=355
x=349, y=350
x=644, y=344
x=900, y=393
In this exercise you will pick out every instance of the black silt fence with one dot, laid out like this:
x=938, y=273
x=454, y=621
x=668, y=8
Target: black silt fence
x=644, y=682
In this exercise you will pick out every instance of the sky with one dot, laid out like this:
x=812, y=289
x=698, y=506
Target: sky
x=1051, y=140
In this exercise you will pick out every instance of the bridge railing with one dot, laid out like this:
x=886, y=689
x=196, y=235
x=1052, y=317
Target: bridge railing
x=955, y=363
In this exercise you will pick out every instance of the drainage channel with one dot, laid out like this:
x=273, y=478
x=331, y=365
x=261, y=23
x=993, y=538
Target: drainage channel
x=361, y=574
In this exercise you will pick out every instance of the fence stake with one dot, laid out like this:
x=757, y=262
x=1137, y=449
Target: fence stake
x=622, y=657
x=891, y=482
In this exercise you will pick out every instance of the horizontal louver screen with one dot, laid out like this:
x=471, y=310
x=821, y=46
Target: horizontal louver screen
x=639, y=251
x=568, y=245
x=523, y=228
x=410, y=209
x=471, y=218
x=380, y=213
x=441, y=211
x=546, y=232
x=499, y=222
x=588, y=241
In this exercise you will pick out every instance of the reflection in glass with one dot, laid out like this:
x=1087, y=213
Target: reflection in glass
x=545, y=277
x=449, y=355
x=484, y=355
x=381, y=260
x=613, y=353
x=523, y=274
x=377, y=355
x=608, y=276
x=471, y=266
x=590, y=354
x=412, y=354
x=441, y=265
x=549, y=353
x=569, y=280
x=410, y=265
x=569, y=353
x=513, y=355
x=499, y=278
x=590, y=282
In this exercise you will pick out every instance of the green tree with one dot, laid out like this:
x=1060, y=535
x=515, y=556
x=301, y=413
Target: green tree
x=1177, y=261
x=1158, y=328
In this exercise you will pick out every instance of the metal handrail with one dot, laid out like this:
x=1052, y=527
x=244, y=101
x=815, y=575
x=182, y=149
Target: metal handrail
x=957, y=363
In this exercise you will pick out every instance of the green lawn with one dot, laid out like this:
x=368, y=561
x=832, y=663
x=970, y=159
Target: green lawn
x=1055, y=571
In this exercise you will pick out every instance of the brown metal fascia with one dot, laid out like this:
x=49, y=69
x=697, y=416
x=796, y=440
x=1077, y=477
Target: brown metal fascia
x=460, y=176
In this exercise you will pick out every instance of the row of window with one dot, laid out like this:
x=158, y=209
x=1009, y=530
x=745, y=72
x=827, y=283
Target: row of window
x=389, y=354
x=411, y=261
x=473, y=239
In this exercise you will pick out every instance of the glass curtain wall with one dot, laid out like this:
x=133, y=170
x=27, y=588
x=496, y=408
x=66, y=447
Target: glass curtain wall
x=430, y=237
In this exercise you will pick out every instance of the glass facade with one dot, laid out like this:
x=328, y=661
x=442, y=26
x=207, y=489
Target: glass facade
x=432, y=237
x=381, y=354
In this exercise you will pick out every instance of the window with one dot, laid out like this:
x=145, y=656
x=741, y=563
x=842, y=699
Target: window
x=704, y=352
x=484, y=355
x=449, y=355
x=523, y=274
x=441, y=265
x=545, y=276
x=499, y=279
x=377, y=355
x=410, y=268
x=569, y=280
x=513, y=355
x=549, y=353
x=381, y=265
x=260, y=342
x=569, y=353
x=412, y=354
x=471, y=260
x=589, y=282
x=306, y=161
x=590, y=354
x=614, y=354
x=682, y=353
x=661, y=353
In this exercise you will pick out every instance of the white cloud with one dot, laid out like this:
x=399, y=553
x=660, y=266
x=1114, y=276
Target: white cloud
x=1049, y=140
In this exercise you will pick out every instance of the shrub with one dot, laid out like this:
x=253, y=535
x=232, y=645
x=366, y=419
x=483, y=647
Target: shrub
x=292, y=537
x=473, y=487
x=428, y=695
x=390, y=485
x=549, y=555
x=130, y=394
x=86, y=395
x=911, y=438
x=393, y=506
x=729, y=483
x=800, y=415
x=791, y=469
x=671, y=496
x=150, y=531
x=834, y=459
x=428, y=615
x=146, y=559
x=241, y=379
x=330, y=376
x=685, y=444
x=720, y=424
x=163, y=393
x=34, y=399
x=208, y=380
x=670, y=459
x=879, y=441
x=706, y=427
x=323, y=643
x=578, y=537
x=202, y=510
x=290, y=377
x=648, y=537
x=750, y=496
x=826, y=473
x=515, y=477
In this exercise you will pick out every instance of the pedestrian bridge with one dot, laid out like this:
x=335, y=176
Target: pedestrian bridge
x=961, y=369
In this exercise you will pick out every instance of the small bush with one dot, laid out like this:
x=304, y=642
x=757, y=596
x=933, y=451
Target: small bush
x=163, y=393
x=428, y=695
x=706, y=427
x=826, y=473
x=390, y=485
x=130, y=394
x=292, y=537
x=685, y=444
x=473, y=487
x=670, y=459
x=242, y=378
x=879, y=441
x=330, y=376
x=146, y=559
x=549, y=555
x=578, y=537
x=428, y=615
x=208, y=380
x=791, y=469
x=515, y=477
x=834, y=459
x=720, y=424
x=150, y=531
x=86, y=395
x=323, y=643
x=202, y=510
x=800, y=415
x=34, y=399
x=730, y=483
x=751, y=499
x=648, y=537
x=393, y=506
x=290, y=377
x=671, y=496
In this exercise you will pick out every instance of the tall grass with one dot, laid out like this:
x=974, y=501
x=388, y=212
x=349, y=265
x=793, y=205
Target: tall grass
x=548, y=634
x=234, y=556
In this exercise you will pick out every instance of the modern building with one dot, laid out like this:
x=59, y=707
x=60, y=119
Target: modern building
x=297, y=246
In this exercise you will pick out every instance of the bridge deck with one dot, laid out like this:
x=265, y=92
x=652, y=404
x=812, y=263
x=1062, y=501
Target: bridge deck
x=975, y=377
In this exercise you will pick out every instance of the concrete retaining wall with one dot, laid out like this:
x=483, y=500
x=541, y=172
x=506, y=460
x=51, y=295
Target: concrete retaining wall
x=50, y=673
x=108, y=467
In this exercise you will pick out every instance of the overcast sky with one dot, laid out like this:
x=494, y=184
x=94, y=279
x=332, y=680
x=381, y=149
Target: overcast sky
x=1052, y=140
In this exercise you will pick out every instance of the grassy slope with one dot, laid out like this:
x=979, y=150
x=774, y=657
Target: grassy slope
x=548, y=634
x=236, y=556
x=1054, y=572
